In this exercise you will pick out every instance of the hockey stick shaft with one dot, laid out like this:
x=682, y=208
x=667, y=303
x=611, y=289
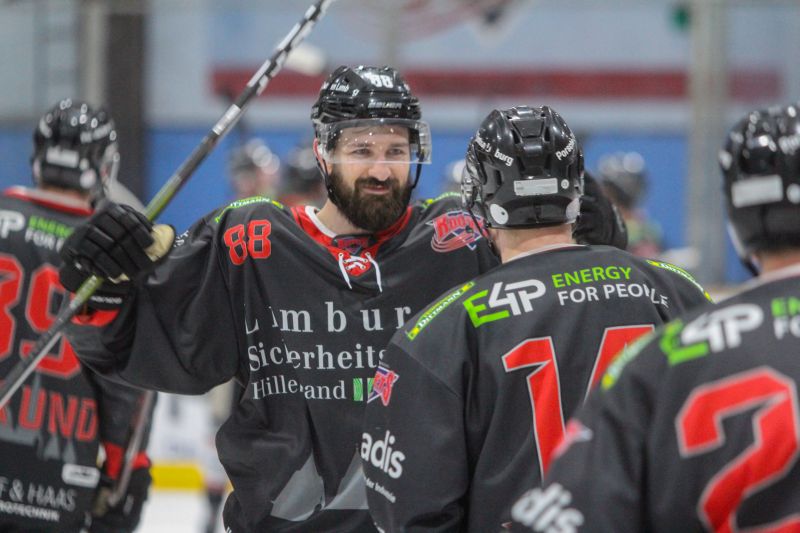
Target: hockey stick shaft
x=14, y=380
x=133, y=449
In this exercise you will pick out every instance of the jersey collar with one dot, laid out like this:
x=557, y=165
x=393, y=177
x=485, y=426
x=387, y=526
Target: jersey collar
x=306, y=217
x=548, y=248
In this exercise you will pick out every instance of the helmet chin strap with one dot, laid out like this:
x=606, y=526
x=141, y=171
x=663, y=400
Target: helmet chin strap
x=748, y=260
x=483, y=229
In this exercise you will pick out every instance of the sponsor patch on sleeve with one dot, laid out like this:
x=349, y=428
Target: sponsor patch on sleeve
x=382, y=385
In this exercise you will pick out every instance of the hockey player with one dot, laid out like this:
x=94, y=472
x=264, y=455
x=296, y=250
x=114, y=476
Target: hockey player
x=254, y=170
x=696, y=429
x=296, y=304
x=51, y=431
x=469, y=402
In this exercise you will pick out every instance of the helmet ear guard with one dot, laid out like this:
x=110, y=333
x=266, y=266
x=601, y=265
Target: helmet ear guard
x=760, y=165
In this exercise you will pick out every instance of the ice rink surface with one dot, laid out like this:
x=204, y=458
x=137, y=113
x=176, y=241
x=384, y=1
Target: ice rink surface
x=175, y=512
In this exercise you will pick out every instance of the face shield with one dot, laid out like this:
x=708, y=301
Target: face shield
x=375, y=140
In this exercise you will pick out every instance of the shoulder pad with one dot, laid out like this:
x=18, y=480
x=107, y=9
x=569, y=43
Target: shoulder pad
x=253, y=200
x=445, y=197
x=434, y=310
x=680, y=272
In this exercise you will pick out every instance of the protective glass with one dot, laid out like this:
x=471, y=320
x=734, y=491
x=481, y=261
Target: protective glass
x=376, y=140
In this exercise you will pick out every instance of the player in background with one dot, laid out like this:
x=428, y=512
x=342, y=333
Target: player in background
x=52, y=430
x=302, y=183
x=697, y=428
x=624, y=179
x=296, y=304
x=470, y=399
x=254, y=170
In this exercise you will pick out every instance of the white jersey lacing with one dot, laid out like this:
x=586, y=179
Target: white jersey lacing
x=354, y=260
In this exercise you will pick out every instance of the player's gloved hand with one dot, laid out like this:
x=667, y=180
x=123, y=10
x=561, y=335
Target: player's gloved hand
x=116, y=243
x=107, y=298
x=123, y=517
x=599, y=221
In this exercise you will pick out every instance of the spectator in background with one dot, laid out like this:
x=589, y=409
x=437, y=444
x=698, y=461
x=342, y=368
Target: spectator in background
x=302, y=180
x=623, y=176
x=254, y=170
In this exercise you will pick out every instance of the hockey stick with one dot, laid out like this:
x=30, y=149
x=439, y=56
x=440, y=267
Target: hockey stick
x=134, y=447
x=255, y=87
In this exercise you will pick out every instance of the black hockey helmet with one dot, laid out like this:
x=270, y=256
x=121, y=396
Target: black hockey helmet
x=75, y=147
x=761, y=179
x=624, y=177
x=358, y=99
x=364, y=92
x=524, y=169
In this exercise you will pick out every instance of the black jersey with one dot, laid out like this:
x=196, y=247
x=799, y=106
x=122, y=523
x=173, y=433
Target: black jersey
x=470, y=400
x=51, y=428
x=696, y=430
x=301, y=318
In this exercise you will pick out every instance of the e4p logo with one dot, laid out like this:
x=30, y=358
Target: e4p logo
x=510, y=298
x=710, y=332
x=10, y=221
x=382, y=385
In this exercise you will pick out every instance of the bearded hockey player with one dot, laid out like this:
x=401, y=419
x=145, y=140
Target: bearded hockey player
x=296, y=304
x=469, y=402
x=696, y=430
x=52, y=429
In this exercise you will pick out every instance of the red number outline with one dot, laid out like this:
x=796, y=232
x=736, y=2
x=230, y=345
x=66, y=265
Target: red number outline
x=44, y=285
x=615, y=339
x=239, y=247
x=699, y=431
x=544, y=383
x=10, y=289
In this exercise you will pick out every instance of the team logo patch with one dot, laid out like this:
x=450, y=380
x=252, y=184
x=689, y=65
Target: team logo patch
x=382, y=385
x=454, y=230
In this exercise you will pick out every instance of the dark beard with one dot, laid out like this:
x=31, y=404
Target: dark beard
x=366, y=211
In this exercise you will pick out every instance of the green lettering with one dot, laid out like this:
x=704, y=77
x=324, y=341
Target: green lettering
x=626, y=272
x=474, y=310
x=572, y=279
x=671, y=345
x=794, y=306
x=558, y=280
x=597, y=273
x=612, y=272
x=778, y=307
x=586, y=275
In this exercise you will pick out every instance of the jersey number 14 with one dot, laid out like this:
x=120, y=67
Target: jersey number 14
x=543, y=383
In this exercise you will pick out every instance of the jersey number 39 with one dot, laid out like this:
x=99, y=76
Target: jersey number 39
x=44, y=287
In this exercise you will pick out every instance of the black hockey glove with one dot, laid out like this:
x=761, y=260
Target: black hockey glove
x=123, y=517
x=107, y=298
x=599, y=221
x=117, y=242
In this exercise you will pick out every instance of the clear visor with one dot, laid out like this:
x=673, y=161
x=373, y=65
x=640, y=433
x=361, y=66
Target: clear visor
x=469, y=185
x=376, y=140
